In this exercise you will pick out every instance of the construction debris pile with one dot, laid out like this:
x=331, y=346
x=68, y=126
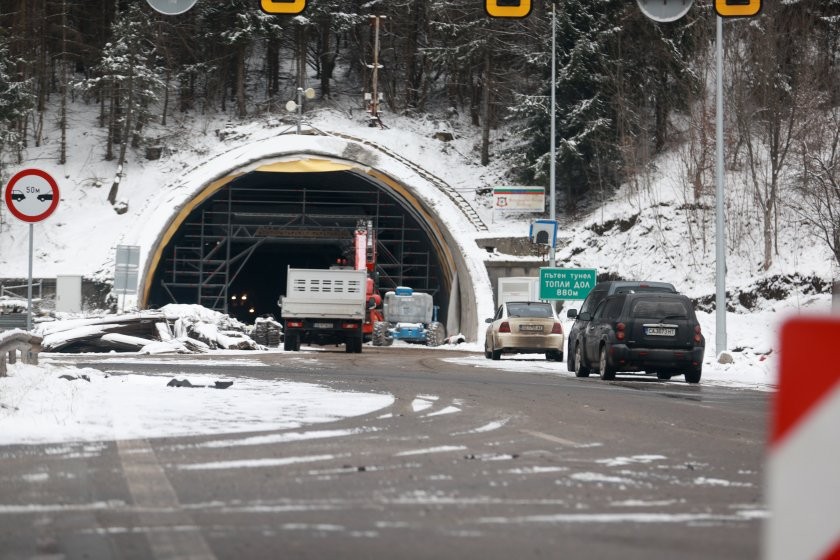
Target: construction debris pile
x=267, y=332
x=173, y=328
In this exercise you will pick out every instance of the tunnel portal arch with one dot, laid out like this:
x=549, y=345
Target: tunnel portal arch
x=331, y=168
x=238, y=231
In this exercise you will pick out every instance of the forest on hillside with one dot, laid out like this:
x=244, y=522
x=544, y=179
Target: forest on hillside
x=627, y=89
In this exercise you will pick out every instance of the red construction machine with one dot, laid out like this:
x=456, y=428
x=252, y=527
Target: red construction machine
x=365, y=248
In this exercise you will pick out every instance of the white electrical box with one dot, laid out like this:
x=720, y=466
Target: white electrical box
x=517, y=288
x=68, y=294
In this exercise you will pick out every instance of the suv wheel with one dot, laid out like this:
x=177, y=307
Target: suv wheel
x=581, y=370
x=604, y=369
x=693, y=376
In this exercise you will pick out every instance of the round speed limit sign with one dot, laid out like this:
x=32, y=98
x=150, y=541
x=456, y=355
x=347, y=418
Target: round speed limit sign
x=31, y=195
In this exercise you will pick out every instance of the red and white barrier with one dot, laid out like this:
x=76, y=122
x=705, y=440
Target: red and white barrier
x=803, y=478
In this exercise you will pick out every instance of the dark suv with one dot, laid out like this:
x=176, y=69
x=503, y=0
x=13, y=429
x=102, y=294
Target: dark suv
x=651, y=332
x=596, y=296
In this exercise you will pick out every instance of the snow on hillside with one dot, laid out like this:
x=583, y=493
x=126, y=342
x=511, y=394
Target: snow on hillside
x=649, y=231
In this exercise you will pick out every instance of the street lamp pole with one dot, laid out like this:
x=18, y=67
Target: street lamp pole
x=299, y=108
x=552, y=166
x=720, y=234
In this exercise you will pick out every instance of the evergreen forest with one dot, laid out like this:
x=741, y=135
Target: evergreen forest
x=627, y=88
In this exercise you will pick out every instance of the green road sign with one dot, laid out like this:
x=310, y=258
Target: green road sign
x=566, y=283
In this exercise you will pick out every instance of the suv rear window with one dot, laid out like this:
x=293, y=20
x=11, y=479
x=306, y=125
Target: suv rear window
x=659, y=309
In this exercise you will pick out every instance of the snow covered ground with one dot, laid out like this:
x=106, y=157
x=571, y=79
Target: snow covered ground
x=39, y=405
x=54, y=404
x=641, y=232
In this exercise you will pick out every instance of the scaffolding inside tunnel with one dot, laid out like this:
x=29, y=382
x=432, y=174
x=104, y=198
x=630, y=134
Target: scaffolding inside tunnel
x=247, y=233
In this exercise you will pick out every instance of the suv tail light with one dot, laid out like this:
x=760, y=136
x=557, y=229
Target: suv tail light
x=557, y=329
x=619, y=331
x=698, y=334
x=504, y=327
x=294, y=324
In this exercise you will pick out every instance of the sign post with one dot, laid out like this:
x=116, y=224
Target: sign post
x=31, y=196
x=566, y=283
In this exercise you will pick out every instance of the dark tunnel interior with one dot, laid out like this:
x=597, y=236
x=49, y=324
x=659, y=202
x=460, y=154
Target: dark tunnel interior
x=241, y=240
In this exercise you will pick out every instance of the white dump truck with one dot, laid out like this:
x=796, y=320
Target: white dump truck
x=324, y=307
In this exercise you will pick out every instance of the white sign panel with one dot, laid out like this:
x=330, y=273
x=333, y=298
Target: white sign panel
x=519, y=199
x=665, y=11
x=171, y=7
x=127, y=269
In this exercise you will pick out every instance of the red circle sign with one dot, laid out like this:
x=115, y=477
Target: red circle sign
x=31, y=195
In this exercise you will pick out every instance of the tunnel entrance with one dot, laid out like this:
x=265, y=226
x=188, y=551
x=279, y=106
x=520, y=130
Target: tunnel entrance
x=230, y=253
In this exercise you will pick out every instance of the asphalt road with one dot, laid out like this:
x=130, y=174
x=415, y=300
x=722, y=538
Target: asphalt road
x=469, y=462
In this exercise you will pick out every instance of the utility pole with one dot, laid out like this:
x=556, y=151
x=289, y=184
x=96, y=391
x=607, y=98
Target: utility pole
x=374, y=97
x=553, y=165
x=720, y=233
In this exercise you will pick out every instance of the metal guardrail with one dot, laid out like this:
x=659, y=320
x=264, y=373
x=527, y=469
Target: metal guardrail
x=29, y=345
x=10, y=321
x=20, y=290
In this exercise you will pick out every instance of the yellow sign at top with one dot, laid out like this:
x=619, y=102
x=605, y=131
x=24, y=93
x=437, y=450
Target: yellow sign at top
x=282, y=6
x=507, y=8
x=737, y=8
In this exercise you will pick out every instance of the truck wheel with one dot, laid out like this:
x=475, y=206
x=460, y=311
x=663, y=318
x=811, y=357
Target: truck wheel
x=353, y=345
x=291, y=343
x=435, y=334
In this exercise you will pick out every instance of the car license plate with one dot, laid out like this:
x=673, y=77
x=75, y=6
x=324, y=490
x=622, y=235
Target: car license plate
x=322, y=325
x=531, y=328
x=660, y=331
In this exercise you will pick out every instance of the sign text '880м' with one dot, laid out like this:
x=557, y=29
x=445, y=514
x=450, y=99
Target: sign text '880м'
x=566, y=283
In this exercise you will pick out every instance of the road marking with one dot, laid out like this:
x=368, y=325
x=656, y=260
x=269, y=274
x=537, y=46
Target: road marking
x=549, y=437
x=150, y=488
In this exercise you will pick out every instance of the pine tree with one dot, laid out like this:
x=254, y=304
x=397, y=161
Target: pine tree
x=127, y=80
x=16, y=101
x=332, y=20
x=618, y=79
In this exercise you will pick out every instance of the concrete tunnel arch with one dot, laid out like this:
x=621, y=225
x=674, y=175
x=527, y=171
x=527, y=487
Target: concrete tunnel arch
x=327, y=157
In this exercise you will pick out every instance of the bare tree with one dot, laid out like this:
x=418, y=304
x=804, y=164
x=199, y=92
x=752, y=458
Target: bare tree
x=819, y=186
x=773, y=102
